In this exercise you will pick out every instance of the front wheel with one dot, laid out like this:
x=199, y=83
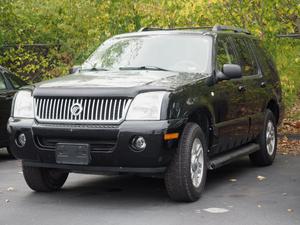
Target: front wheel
x=186, y=175
x=44, y=179
x=267, y=141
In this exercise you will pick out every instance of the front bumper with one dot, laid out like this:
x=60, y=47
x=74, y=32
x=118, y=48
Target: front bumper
x=109, y=145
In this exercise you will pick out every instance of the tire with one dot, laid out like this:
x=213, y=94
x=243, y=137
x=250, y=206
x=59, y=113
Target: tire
x=267, y=141
x=44, y=179
x=178, y=178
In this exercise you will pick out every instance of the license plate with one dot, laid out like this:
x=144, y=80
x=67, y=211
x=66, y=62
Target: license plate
x=75, y=154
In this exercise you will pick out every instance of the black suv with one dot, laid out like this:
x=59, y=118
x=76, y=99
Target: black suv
x=9, y=84
x=174, y=102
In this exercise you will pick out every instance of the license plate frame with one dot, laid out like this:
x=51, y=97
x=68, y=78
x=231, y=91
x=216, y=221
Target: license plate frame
x=72, y=154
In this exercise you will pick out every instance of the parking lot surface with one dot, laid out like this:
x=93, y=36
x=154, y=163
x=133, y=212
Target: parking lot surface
x=236, y=194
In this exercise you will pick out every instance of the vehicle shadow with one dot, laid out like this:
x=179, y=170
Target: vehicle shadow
x=4, y=156
x=135, y=191
x=234, y=170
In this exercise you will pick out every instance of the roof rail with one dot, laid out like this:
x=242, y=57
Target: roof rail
x=217, y=27
x=176, y=28
x=230, y=28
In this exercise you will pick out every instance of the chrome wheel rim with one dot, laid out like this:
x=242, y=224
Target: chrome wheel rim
x=197, y=162
x=270, y=138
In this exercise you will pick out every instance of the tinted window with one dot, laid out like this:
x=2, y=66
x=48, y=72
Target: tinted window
x=15, y=81
x=2, y=83
x=225, y=53
x=246, y=57
x=184, y=53
x=264, y=58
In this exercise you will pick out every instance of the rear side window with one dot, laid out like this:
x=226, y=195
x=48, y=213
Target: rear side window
x=265, y=60
x=2, y=83
x=225, y=53
x=246, y=57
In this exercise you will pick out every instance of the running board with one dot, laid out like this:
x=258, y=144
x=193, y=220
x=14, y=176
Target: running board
x=226, y=158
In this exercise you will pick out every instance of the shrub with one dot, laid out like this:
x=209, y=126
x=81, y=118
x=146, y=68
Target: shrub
x=34, y=64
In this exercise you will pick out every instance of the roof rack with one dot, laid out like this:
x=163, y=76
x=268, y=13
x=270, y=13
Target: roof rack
x=230, y=28
x=176, y=28
x=217, y=27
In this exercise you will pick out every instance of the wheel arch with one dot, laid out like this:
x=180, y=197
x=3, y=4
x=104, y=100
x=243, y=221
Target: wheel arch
x=274, y=107
x=204, y=118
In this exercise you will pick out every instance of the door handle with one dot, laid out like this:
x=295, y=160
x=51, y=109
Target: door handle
x=263, y=84
x=242, y=88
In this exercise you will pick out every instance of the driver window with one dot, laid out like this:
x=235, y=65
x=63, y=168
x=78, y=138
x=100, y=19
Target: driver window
x=247, y=59
x=225, y=53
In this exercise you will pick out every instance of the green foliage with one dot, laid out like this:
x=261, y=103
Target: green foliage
x=79, y=26
x=33, y=66
x=288, y=63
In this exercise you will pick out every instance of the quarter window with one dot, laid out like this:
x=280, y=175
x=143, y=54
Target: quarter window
x=246, y=57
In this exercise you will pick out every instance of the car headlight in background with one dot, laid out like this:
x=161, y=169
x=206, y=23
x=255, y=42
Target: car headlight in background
x=23, y=105
x=146, y=106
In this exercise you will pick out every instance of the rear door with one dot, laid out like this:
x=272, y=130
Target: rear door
x=254, y=85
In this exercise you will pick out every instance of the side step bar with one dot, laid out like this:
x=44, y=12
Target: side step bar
x=226, y=158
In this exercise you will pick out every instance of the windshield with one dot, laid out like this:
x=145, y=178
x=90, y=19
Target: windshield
x=182, y=53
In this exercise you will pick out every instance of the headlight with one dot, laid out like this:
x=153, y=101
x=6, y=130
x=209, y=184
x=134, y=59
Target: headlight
x=146, y=106
x=23, y=107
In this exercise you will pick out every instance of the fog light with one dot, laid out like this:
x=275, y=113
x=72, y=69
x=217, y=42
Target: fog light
x=21, y=140
x=138, y=143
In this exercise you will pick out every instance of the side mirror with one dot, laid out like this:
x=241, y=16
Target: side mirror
x=74, y=69
x=230, y=71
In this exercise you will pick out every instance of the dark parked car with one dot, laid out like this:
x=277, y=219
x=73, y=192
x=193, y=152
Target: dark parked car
x=169, y=102
x=9, y=84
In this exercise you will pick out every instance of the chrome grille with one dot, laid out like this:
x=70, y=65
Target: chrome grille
x=81, y=110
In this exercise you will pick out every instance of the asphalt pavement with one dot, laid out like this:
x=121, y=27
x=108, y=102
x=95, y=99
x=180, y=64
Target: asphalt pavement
x=236, y=194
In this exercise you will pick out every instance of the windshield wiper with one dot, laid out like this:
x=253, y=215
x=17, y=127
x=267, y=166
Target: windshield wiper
x=95, y=68
x=143, y=68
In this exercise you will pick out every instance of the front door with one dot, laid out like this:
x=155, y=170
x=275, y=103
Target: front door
x=232, y=122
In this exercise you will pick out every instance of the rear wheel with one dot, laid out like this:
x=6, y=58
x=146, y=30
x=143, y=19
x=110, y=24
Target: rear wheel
x=186, y=175
x=267, y=141
x=44, y=179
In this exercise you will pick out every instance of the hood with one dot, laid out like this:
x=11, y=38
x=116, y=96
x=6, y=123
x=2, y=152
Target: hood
x=121, y=80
